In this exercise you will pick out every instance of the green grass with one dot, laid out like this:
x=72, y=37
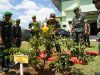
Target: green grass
x=25, y=45
x=93, y=47
x=91, y=68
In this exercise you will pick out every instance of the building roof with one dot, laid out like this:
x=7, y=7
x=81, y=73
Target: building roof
x=84, y=8
x=57, y=3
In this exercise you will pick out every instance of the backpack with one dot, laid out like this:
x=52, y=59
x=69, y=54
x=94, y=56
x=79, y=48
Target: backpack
x=53, y=22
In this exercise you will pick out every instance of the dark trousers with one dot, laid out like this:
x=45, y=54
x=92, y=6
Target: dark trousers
x=77, y=36
x=87, y=40
x=5, y=56
x=18, y=42
x=57, y=45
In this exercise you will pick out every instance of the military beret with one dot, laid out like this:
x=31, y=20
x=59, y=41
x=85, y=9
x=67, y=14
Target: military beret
x=33, y=16
x=17, y=20
x=7, y=13
x=52, y=15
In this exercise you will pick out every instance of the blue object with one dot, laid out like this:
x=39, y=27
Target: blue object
x=63, y=33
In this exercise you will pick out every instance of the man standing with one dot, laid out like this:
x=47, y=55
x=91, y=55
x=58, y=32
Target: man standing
x=78, y=23
x=97, y=5
x=17, y=33
x=34, y=26
x=52, y=21
x=87, y=33
x=6, y=39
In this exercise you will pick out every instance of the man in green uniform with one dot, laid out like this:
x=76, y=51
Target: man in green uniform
x=78, y=23
x=6, y=39
x=17, y=33
x=53, y=22
x=34, y=26
x=87, y=33
x=97, y=5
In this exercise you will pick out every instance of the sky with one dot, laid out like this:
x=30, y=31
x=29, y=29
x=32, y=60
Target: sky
x=25, y=9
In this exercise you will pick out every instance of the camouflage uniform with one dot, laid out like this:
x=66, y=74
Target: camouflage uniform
x=34, y=26
x=6, y=34
x=77, y=27
x=55, y=23
x=17, y=35
x=86, y=34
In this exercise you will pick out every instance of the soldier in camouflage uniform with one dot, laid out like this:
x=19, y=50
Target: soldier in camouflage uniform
x=78, y=23
x=6, y=39
x=97, y=5
x=87, y=33
x=34, y=26
x=17, y=33
x=52, y=21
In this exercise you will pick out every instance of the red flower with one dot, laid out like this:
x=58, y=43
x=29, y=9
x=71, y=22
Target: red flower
x=51, y=59
x=67, y=52
x=92, y=53
x=73, y=59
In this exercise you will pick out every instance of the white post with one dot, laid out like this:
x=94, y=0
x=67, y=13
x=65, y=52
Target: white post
x=21, y=69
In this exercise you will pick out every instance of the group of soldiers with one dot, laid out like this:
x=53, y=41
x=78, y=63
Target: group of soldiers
x=81, y=26
x=10, y=35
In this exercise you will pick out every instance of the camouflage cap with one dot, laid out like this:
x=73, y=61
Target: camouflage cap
x=94, y=1
x=7, y=13
x=17, y=20
x=75, y=9
x=33, y=16
x=52, y=15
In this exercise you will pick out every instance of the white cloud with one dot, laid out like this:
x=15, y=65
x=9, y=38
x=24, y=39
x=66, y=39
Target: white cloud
x=4, y=1
x=5, y=5
x=30, y=8
x=33, y=9
x=49, y=5
x=27, y=4
x=41, y=15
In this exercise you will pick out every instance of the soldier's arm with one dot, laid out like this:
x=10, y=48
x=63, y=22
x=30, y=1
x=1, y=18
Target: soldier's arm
x=72, y=25
x=57, y=26
x=20, y=32
x=39, y=25
x=89, y=28
x=30, y=26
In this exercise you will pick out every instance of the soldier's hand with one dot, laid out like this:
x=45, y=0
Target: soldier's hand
x=88, y=33
x=85, y=32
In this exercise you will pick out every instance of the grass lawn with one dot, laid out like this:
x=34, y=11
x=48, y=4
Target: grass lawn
x=94, y=46
x=91, y=68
